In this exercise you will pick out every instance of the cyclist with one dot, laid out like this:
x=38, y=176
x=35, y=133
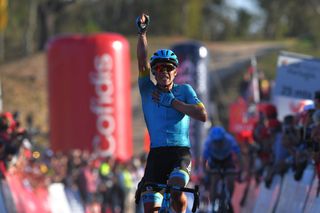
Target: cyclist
x=167, y=109
x=221, y=151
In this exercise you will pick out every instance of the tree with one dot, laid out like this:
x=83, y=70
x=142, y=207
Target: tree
x=193, y=21
x=243, y=23
x=217, y=24
x=47, y=14
x=29, y=44
x=275, y=21
x=3, y=25
x=291, y=18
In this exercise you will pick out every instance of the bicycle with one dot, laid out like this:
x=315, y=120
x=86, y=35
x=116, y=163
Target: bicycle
x=165, y=205
x=222, y=203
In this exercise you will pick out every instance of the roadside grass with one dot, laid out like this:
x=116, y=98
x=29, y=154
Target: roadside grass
x=269, y=63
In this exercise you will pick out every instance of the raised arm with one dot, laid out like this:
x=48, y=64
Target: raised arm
x=142, y=45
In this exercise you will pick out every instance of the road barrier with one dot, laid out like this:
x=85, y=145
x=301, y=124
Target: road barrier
x=294, y=193
x=267, y=197
x=58, y=199
x=312, y=203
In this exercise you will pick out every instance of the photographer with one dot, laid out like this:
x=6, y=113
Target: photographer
x=292, y=141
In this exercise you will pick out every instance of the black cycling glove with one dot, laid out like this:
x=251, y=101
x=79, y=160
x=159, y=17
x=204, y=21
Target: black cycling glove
x=142, y=27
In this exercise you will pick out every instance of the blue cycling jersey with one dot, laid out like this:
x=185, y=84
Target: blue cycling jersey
x=166, y=125
x=212, y=151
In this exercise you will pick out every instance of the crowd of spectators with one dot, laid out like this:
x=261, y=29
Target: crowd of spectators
x=274, y=146
x=104, y=184
x=280, y=146
x=12, y=137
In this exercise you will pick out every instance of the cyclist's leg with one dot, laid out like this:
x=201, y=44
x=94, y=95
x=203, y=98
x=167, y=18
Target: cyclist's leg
x=179, y=199
x=230, y=165
x=151, y=201
x=180, y=176
x=215, y=186
x=214, y=192
x=155, y=172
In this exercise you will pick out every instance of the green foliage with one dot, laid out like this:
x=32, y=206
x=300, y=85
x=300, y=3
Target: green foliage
x=198, y=19
x=292, y=18
x=193, y=18
x=304, y=46
x=78, y=18
x=243, y=23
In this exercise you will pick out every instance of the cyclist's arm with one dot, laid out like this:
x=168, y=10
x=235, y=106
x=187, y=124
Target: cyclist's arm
x=196, y=111
x=142, y=53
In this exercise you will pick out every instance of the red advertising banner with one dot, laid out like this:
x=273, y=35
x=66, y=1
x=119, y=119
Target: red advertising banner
x=89, y=94
x=239, y=120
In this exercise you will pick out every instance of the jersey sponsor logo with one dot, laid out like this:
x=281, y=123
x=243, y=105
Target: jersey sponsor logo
x=101, y=104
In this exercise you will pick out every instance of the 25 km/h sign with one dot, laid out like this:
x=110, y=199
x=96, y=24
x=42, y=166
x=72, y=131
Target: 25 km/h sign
x=298, y=77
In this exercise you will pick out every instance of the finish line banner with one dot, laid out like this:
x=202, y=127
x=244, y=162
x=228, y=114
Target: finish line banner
x=298, y=77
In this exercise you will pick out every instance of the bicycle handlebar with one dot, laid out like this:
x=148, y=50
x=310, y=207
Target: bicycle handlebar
x=194, y=191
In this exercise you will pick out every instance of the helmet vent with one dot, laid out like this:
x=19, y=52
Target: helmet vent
x=164, y=55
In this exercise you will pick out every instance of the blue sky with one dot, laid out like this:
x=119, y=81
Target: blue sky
x=250, y=5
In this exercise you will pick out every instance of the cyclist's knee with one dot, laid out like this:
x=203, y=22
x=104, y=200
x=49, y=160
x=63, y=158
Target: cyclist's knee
x=179, y=177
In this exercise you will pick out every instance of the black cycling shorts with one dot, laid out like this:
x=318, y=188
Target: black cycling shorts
x=161, y=162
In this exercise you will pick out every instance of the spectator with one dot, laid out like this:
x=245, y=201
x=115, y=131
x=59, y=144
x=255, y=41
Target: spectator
x=263, y=140
x=292, y=141
x=106, y=184
x=127, y=187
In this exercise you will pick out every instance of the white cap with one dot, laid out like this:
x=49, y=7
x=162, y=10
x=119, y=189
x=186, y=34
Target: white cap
x=308, y=107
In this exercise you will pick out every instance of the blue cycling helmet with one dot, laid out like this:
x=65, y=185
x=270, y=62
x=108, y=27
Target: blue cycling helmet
x=218, y=134
x=164, y=55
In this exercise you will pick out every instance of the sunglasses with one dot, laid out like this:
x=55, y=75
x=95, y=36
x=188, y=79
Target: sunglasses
x=163, y=68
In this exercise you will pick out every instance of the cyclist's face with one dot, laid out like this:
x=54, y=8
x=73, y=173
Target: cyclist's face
x=164, y=73
x=219, y=144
